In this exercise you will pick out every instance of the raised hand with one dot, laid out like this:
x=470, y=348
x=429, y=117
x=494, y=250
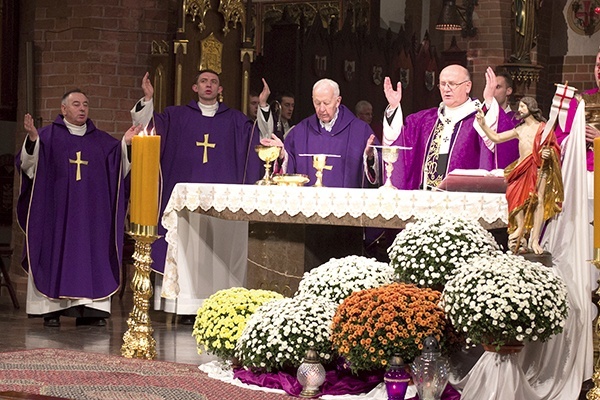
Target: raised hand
x=490, y=85
x=480, y=117
x=147, y=87
x=369, y=151
x=263, y=97
x=30, y=128
x=393, y=96
x=131, y=132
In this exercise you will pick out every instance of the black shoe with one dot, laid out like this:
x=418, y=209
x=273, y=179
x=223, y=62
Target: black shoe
x=98, y=322
x=90, y=321
x=52, y=322
x=187, y=319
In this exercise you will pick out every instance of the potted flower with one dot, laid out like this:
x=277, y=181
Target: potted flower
x=222, y=318
x=500, y=298
x=280, y=333
x=427, y=251
x=372, y=325
x=339, y=277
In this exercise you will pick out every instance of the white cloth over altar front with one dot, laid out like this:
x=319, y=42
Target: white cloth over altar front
x=212, y=253
x=190, y=203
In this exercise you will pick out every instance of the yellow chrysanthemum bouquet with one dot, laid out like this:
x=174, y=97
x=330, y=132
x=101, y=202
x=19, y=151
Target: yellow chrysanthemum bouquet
x=222, y=318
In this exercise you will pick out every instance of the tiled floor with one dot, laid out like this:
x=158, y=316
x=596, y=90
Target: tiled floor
x=174, y=342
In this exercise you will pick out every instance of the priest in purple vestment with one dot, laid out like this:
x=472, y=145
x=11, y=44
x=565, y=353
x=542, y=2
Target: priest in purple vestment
x=591, y=132
x=204, y=141
x=72, y=208
x=333, y=130
x=506, y=152
x=445, y=138
x=352, y=163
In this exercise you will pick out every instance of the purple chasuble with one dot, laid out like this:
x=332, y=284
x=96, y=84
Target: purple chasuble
x=348, y=139
x=74, y=228
x=468, y=151
x=561, y=135
x=200, y=149
x=507, y=152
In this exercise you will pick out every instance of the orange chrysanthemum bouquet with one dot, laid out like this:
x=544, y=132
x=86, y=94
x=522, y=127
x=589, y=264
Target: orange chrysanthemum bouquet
x=372, y=325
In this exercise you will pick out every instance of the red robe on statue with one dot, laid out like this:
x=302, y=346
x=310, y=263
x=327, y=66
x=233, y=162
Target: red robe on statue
x=522, y=180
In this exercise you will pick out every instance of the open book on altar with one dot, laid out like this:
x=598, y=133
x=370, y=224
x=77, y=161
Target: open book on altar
x=474, y=180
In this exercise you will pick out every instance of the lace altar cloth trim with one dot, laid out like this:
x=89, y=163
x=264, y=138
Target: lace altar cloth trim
x=324, y=202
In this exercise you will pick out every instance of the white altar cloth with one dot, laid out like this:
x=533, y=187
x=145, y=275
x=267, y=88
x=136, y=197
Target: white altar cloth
x=365, y=207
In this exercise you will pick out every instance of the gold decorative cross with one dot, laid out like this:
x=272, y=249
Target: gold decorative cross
x=206, y=145
x=78, y=161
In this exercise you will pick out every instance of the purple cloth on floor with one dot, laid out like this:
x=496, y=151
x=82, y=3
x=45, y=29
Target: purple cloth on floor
x=336, y=383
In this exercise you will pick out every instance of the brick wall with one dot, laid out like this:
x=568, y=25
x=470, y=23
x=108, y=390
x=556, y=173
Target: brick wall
x=101, y=47
x=491, y=45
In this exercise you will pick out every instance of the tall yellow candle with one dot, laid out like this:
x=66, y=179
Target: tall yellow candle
x=596, y=193
x=145, y=165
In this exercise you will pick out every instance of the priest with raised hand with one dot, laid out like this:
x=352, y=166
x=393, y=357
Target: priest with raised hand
x=333, y=129
x=204, y=141
x=72, y=208
x=442, y=139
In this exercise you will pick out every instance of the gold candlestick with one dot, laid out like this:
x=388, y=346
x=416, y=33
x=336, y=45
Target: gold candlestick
x=594, y=393
x=138, y=341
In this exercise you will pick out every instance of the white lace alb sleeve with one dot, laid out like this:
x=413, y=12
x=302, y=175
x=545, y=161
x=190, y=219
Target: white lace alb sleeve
x=144, y=115
x=265, y=126
x=392, y=131
x=29, y=161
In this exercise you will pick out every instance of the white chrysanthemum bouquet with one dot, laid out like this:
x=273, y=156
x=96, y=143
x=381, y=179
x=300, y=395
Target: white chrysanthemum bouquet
x=427, y=251
x=280, y=333
x=499, y=298
x=338, y=278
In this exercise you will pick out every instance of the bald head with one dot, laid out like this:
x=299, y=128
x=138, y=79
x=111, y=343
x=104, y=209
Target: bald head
x=323, y=84
x=455, y=85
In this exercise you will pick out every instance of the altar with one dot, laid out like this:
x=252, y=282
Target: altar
x=274, y=249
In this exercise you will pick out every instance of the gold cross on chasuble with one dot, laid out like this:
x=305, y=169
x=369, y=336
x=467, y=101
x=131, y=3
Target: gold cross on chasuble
x=206, y=145
x=79, y=162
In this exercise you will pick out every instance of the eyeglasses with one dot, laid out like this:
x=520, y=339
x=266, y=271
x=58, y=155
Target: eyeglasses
x=450, y=85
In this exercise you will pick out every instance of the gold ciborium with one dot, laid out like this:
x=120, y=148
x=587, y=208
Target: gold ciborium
x=268, y=154
x=320, y=164
x=390, y=156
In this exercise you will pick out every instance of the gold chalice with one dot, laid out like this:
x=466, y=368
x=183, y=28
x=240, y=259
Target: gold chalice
x=268, y=154
x=390, y=156
x=320, y=164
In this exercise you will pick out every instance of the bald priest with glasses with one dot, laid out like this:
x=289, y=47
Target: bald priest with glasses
x=445, y=138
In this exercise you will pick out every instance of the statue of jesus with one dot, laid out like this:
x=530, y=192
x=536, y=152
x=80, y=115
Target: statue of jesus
x=534, y=182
